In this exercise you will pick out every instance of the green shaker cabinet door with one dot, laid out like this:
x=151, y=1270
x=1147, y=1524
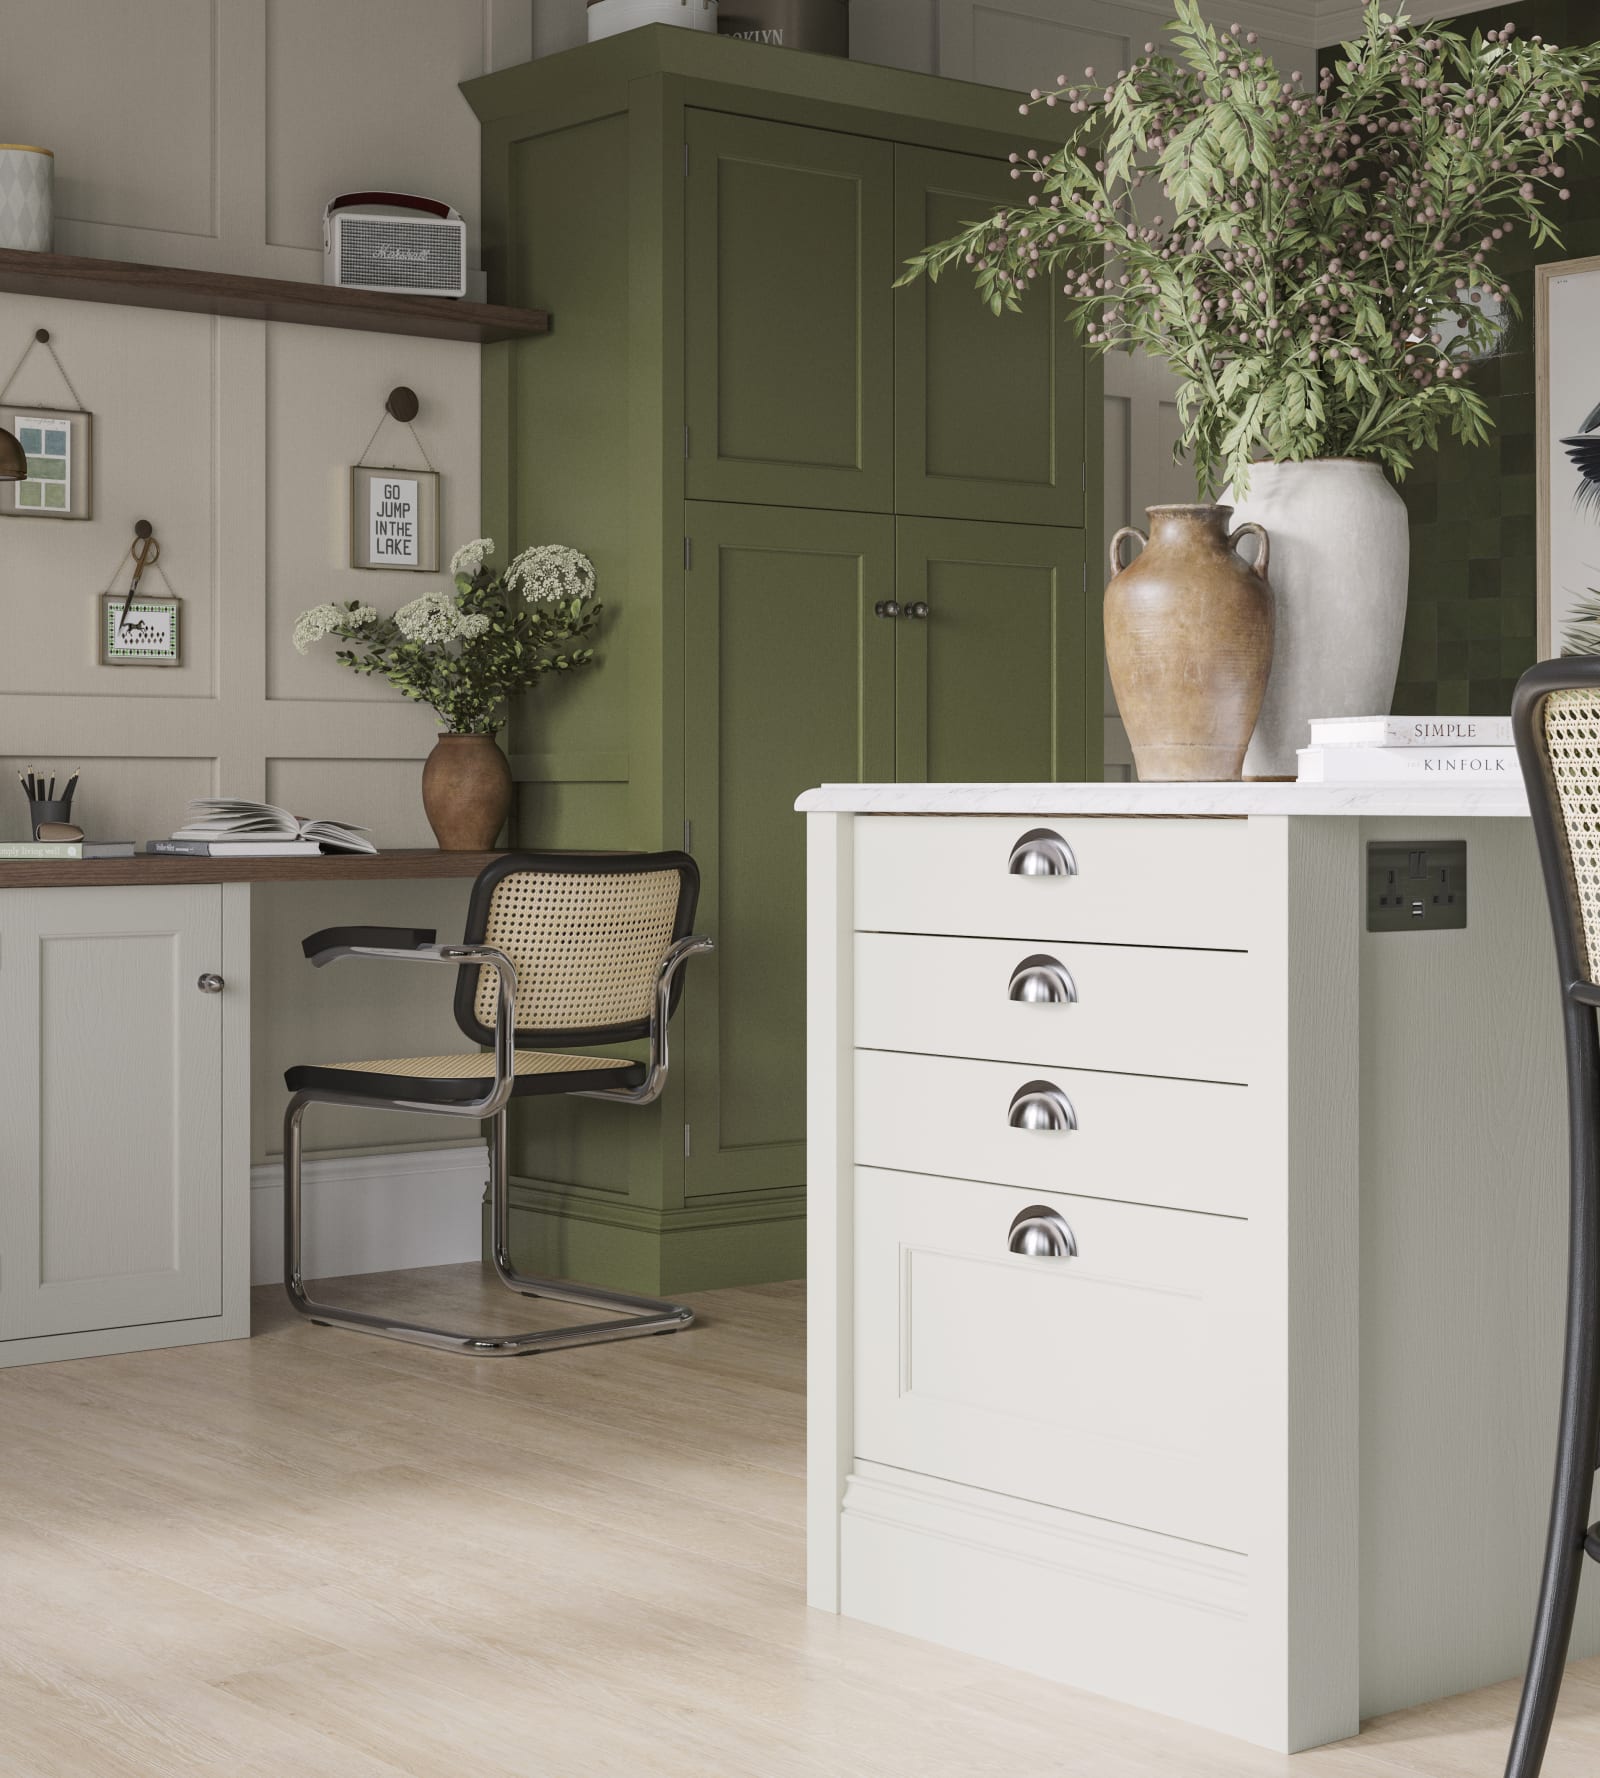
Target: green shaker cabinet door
x=989, y=408
x=790, y=682
x=788, y=315
x=999, y=681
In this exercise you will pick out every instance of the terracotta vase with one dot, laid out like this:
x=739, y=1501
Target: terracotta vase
x=466, y=792
x=1189, y=642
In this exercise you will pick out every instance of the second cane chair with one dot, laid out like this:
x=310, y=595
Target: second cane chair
x=562, y=952
x=1556, y=719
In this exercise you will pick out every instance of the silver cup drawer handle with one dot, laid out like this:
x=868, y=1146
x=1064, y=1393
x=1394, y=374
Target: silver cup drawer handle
x=1041, y=1233
x=1041, y=1105
x=1041, y=852
x=1042, y=981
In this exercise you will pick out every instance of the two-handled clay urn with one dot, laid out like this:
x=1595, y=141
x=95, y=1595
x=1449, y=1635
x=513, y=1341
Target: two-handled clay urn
x=1189, y=642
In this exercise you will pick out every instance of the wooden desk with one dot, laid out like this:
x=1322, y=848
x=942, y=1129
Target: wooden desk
x=347, y=867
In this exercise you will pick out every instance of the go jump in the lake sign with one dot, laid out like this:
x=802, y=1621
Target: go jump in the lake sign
x=394, y=518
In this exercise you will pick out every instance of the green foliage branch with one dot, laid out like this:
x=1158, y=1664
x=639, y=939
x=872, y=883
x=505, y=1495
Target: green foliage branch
x=1318, y=269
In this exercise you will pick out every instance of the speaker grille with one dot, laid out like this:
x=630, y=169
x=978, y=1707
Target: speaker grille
x=406, y=255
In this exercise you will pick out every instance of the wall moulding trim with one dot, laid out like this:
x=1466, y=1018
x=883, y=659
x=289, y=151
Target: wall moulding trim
x=373, y=1212
x=546, y=1198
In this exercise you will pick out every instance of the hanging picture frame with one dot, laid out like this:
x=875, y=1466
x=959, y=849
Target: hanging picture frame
x=59, y=446
x=141, y=632
x=1567, y=402
x=394, y=519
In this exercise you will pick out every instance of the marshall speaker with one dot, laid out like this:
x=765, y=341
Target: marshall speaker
x=386, y=240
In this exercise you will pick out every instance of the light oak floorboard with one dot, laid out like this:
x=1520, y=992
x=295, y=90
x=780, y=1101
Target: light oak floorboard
x=346, y=1558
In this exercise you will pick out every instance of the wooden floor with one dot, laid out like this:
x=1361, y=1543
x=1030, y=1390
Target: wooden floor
x=319, y=1554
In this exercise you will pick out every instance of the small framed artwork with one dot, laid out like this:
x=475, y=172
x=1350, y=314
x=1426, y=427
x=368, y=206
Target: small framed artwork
x=394, y=518
x=59, y=445
x=141, y=632
x=1567, y=390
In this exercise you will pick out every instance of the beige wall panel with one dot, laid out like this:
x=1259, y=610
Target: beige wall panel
x=349, y=1011
x=325, y=393
x=382, y=795
x=124, y=94
x=117, y=798
x=362, y=98
x=148, y=379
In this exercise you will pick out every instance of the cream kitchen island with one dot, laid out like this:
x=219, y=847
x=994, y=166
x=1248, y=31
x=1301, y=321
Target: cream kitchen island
x=1186, y=1260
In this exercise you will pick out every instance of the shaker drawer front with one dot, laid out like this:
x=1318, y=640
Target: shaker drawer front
x=1116, y=1381
x=1136, y=1137
x=1142, y=882
x=1131, y=1008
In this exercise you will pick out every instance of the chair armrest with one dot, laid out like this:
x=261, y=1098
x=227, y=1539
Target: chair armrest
x=344, y=938
x=417, y=946
x=650, y=1088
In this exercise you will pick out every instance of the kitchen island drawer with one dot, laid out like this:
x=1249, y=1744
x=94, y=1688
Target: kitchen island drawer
x=1117, y=1380
x=1151, y=1141
x=1132, y=1008
x=1171, y=881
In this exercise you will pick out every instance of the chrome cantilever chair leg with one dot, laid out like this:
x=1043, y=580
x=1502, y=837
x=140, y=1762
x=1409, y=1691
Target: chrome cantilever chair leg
x=636, y=1315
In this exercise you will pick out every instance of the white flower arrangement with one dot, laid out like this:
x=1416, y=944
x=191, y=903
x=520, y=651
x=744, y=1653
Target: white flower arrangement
x=465, y=649
x=469, y=558
x=549, y=572
x=324, y=620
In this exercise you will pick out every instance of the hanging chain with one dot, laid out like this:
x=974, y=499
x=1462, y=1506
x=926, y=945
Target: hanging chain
x=49, y=346
x=364, y=464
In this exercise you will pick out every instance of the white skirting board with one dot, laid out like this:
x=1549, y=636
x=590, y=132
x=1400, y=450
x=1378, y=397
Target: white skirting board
x=373, y=1212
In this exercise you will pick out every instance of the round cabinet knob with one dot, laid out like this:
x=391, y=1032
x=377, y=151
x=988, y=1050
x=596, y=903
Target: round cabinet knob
x=1042, y=853
x=210, y=984
x=1042, y=1233
x=918, y=609
x=1041, y=1105
x=1042, y=981
x=886, y=608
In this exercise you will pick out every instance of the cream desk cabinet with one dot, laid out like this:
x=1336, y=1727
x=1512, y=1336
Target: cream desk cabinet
x=1186, y=1259
x=125, y=1094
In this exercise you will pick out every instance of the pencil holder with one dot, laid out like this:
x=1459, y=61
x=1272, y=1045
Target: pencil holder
x=40, y=811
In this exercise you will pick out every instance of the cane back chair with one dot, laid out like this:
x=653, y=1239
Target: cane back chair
x=1556, y=719
x=562, y=951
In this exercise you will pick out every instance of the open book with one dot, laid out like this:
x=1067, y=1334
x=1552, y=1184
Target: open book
x=230, y=824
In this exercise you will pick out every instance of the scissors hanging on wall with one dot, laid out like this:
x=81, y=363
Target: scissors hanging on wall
x=138, y=629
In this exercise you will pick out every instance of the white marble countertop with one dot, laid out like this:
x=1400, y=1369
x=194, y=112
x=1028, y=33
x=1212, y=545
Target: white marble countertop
x=1451, y=801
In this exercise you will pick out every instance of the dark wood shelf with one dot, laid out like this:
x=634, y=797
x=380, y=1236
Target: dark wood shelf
x=262, y=299
x=349, y=867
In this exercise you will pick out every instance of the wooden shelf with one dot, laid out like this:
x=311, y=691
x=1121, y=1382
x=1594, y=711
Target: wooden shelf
x=261, y=299
x=350, y=867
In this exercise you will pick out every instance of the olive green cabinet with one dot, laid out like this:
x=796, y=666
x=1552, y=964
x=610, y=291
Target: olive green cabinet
x=840, y=534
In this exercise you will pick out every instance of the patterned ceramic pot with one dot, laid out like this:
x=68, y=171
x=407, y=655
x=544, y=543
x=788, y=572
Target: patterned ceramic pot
x=1188, y=643
x=27, y=207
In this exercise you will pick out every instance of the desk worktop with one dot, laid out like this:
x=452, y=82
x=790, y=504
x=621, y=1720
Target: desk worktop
x=348, y=867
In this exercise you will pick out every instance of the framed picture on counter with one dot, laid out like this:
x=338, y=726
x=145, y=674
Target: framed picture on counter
x=1567, y=386
x=59, y=445
x=394, y=518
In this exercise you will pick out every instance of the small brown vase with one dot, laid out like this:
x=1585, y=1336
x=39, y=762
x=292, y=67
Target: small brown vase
x=466, y=792
x=1189, y=643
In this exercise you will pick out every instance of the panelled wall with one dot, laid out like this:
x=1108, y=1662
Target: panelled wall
x=209, y=133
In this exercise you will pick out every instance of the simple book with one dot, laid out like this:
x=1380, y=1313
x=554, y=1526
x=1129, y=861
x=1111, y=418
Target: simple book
x=222, y=826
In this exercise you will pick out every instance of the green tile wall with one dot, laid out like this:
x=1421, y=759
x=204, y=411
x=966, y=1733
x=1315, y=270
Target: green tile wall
x=1470, y=626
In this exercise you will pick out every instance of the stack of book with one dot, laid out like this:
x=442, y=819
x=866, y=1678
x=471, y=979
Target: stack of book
x=1411, y=750
x=230, y=827
x=47, y=849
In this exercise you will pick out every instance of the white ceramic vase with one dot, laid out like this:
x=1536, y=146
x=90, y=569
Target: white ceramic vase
x=27, y=180
x=1341, y=556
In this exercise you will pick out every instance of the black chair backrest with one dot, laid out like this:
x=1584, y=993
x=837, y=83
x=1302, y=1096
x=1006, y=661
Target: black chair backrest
x=587, y=932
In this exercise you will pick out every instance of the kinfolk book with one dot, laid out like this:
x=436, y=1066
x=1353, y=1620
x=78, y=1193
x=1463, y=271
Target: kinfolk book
x=1415, y=765
x=1411, y=731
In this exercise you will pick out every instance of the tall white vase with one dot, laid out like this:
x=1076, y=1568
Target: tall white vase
x=1341, y=555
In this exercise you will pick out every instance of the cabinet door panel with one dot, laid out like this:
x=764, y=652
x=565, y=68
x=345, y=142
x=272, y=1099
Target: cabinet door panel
x=989, y=408
x=790, y=683
x=789, y=315
x=113, y=1090
x=997, y=684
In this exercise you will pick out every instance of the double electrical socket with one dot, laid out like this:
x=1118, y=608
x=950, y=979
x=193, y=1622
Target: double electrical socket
x=1416, y=885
